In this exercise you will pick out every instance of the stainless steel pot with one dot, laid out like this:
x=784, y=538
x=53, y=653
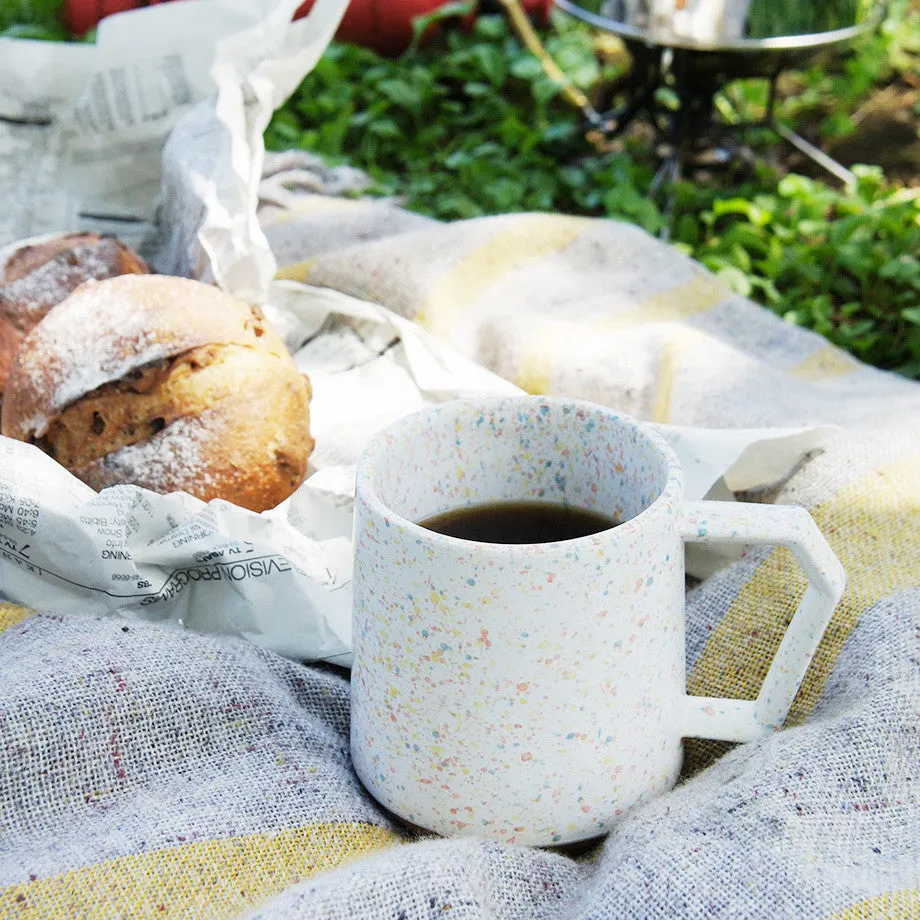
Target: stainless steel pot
x=761, y=28
x=697, y=46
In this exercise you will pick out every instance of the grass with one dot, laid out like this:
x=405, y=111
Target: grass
x=471, y=125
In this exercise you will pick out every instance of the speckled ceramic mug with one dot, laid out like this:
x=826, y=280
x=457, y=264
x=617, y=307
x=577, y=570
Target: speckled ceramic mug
x=533, y=693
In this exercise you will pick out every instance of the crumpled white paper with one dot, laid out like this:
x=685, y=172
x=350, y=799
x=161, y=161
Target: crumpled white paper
x=82, y=126
x=282, y=578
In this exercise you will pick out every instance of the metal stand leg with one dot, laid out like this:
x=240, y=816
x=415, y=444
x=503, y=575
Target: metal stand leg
x=814, y=153
x=644, y=78
x=667, y=177
x=796, y=140
x=681, y=132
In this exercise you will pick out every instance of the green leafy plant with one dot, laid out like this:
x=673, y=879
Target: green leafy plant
x=38, y=20
x=35, y=19
x=468, y=127
x=471, y=125
x=842, y=263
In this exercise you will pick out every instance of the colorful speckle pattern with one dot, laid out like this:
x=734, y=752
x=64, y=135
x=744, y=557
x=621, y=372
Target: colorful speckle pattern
x=529, y=692
x=534, y=693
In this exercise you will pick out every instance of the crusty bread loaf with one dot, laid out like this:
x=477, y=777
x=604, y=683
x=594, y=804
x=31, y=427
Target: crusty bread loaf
x=165, y=383
x=37, y=277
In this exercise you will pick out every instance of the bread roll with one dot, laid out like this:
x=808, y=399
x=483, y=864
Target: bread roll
x=39, y=276
x=165, y=383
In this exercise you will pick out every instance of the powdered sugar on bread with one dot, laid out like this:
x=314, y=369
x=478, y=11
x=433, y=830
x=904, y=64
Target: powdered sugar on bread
x=107, y=329
x=37, y=276
x=26, y=298
x=181, y=453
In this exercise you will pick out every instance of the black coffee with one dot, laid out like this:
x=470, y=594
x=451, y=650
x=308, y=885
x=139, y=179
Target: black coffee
x=519, y=522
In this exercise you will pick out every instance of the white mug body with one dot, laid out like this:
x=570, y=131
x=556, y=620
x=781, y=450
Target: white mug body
x=529, y=693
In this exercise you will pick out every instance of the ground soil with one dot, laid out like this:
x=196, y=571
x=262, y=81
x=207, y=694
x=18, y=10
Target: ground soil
x=887, y=134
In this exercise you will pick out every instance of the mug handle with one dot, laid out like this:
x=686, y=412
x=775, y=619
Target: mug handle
x=745, y=522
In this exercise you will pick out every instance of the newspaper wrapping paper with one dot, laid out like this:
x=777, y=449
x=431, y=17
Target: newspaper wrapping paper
x=150, y=770
x=82, y=126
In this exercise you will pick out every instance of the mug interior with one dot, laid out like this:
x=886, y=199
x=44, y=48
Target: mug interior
x=473, y=452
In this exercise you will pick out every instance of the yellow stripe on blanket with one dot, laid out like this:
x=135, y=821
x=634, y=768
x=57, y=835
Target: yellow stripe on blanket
x=530, y=237
x=826, y=363
x=11, y=614
x=892, y=905
x=873, y=526
x=299, y=271
x=217, y=878
x=552, y=340
x=675, y=346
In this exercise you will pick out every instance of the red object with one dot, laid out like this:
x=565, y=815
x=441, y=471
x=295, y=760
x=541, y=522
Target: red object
x=538, y=10
x=384, y=25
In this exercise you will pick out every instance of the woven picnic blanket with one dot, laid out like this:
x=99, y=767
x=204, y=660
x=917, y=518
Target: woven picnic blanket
x=150, y=771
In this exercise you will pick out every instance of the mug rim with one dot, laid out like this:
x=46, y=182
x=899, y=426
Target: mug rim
x=367, y=493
